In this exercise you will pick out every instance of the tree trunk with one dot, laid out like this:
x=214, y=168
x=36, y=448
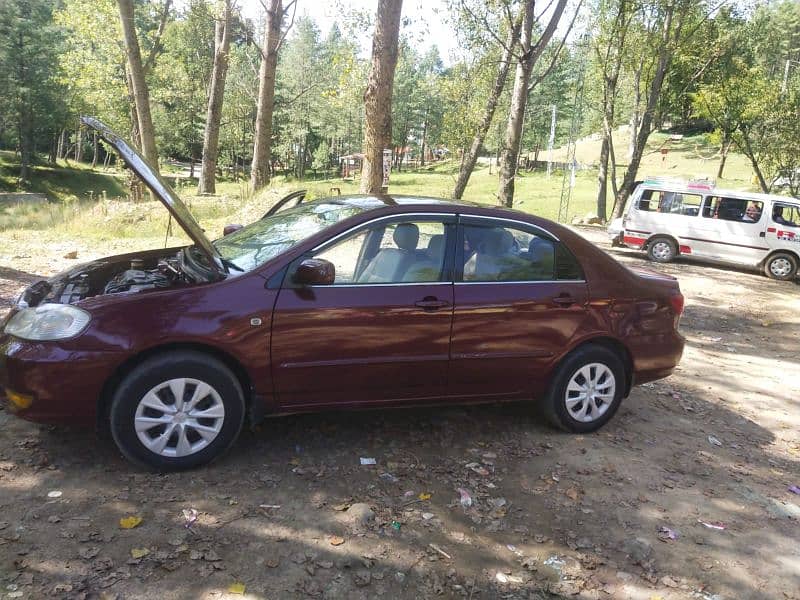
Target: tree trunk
x=424, y=135
x=664, y=57
x=96, y=148
x=222, y=42
x=636, y=111
x=602, y=180
x=471, y=156
x=79, y=143
x=141, y=93
x=25, y=144
x=519, y=97
x=727, y=142
x=750, y=154
x=262, y=148
x=62, y=145
x=378, y=95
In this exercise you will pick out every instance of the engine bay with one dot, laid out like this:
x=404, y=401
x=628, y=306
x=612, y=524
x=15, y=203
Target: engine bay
x=119, y=275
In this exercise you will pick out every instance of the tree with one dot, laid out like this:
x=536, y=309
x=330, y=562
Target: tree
x=471, y=156
x=262, y=148
x=528, y=56
x=138, y=84
x=609, y=45
x=31, y=99
x=378, y=95
x=222, y=44
x=664, y=23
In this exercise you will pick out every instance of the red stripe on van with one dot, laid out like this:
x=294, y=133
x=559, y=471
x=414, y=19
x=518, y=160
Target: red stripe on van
x=633, y=241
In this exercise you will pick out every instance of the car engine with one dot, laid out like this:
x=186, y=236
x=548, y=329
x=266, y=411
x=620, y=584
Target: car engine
x=136, y=280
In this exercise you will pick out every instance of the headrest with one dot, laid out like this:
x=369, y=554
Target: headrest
x=406, y=236
x=436, y=244
x=540, y=248
x=497, y=241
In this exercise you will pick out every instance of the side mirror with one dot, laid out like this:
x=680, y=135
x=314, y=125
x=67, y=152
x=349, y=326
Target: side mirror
x=229, y=229
x=314, y=271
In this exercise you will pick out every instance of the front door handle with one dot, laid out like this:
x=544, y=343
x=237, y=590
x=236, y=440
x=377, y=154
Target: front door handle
x=564, y=300
x=431, y=303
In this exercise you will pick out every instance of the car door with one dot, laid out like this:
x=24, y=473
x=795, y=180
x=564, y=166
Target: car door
x=381, y=332
x=519, y=298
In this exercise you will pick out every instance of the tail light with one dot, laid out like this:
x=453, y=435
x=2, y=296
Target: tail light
x=677, y=302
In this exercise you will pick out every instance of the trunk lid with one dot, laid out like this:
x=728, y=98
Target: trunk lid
x=161, y=190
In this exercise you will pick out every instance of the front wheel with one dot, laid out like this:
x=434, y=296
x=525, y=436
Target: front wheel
x=586, y=390
x=662, y=250
x=177, y=411
x=781, y=266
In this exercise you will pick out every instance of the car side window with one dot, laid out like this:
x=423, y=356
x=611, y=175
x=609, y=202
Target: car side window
x=506, y=254
x=402, y=252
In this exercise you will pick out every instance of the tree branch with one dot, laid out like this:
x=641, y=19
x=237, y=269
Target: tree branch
x=156, y=49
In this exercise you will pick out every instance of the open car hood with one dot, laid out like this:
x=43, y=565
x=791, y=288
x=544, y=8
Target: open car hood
x=161, y=190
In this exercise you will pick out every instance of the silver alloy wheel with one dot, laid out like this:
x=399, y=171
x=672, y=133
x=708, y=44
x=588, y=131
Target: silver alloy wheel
x=662, y=250
x=590, y=392
x=780, y=267
x=179, y=417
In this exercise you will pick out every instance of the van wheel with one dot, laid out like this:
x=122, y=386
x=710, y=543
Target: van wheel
x=177, y=411
x=781, y=266
x=586, y=390
x=662, y=250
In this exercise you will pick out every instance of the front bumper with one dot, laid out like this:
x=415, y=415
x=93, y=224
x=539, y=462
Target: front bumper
x=63, y=385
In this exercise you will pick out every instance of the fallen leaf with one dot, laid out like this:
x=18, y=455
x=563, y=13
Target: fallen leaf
x=335, y=540
x=130, y=522
x=424, y=496
x=139, y=552
x=236, y=588
x=572, y=493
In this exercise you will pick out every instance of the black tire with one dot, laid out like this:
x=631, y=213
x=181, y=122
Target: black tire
x=554, y=403
x=781, y=266
x=662, y=249
x=155, y=372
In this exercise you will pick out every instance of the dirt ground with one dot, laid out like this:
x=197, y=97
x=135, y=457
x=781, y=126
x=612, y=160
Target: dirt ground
x=683, y=495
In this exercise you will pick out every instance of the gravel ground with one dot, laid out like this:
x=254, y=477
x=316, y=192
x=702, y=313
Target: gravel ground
x=683, y=495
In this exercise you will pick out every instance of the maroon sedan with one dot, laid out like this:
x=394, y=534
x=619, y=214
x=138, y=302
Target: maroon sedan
x=344, y=302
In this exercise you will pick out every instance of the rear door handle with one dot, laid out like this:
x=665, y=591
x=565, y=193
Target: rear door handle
x=564, y=300
x=431, y=303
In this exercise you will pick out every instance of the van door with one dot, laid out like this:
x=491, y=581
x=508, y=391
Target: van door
x=730, y=230
x=783, y=227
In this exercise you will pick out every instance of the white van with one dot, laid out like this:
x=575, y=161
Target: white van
x=669, y=218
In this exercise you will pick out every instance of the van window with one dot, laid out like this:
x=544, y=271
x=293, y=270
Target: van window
x=786, y=214
x=670, y=202
x=733, y=209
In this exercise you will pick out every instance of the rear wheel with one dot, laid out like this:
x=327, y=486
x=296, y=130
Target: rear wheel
x=781, y=266
x=177, y=411
x=586, y=390
x=662, y=250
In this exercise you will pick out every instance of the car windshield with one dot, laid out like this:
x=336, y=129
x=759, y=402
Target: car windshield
x=267, y=238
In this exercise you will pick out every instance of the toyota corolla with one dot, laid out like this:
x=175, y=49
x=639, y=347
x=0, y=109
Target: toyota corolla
x=338, y=303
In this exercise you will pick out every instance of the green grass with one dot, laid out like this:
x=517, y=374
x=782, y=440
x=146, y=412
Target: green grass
x=91, y=205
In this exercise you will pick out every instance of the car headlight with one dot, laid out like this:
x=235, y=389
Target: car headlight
x=48, y=322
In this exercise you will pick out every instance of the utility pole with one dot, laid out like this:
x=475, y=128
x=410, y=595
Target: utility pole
x=551, y=141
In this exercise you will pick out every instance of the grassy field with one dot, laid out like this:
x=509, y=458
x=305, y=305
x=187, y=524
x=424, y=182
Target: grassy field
x=92, y=204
